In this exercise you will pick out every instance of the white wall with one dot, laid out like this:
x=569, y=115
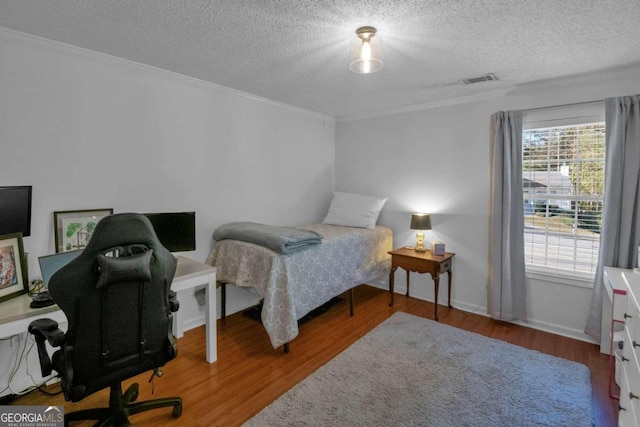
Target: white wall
x=91, y=131
x=436, y=160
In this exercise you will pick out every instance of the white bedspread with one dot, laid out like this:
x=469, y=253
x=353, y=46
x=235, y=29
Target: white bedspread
x=293, y=285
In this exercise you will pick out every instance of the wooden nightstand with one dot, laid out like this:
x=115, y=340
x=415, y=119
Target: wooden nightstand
x=421, y=262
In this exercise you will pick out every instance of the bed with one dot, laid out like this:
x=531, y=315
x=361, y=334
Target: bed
x=293, y=284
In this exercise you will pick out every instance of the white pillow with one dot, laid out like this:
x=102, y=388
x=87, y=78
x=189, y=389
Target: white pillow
x=354, y=210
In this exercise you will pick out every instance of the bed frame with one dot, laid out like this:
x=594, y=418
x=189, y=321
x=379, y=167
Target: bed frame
x=223, y=305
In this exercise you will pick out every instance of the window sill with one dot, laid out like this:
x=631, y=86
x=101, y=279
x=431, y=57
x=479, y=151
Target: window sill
x=560, y=277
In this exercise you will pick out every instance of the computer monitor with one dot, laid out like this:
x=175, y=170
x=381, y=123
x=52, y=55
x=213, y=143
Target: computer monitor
x=49, y=264
x=15, y=210
x=175, y=230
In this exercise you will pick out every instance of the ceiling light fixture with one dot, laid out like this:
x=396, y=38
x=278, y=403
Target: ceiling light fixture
x=368, y=60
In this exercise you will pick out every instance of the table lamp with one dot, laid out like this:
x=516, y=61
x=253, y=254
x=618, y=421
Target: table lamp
x=420, y=222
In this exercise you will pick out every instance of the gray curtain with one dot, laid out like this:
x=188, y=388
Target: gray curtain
x=506, y=290
x=620, y=233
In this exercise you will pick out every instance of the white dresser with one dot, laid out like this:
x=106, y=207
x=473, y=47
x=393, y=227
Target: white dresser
x=629, y=414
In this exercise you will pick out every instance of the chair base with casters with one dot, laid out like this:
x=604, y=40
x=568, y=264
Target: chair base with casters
x=121, y=406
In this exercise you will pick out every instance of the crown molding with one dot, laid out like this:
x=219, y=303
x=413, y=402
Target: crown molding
x=129, y=65
x=629, y=70
x=426, y=106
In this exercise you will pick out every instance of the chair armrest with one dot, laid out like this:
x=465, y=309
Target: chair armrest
x=174, y=304
x=46, y=330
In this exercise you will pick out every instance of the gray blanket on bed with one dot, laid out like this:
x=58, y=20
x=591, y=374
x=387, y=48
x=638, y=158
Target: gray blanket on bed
x=283, y=240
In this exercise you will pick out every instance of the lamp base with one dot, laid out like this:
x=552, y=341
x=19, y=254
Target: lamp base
x=420, y=242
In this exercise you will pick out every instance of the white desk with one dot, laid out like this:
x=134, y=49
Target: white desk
x=15, y=314
x=190, y=274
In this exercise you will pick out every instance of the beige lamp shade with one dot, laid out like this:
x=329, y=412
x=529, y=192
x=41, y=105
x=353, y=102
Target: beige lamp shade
x=420, y=222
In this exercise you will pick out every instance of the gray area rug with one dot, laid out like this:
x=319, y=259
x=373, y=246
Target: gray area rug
x=412, y=371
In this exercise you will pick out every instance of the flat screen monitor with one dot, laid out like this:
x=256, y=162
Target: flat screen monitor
x=15, y=210
x=175, y=230
x=49, y=264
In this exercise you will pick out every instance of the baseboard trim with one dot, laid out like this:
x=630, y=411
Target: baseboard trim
x=460, y=305
x=193, y=323
x=531, y=323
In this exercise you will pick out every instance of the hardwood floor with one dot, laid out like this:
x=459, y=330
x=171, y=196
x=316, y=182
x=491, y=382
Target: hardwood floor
x=250, y=374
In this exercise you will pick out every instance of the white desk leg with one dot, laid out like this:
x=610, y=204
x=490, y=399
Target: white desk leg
x=178, y=326
x=210, y=295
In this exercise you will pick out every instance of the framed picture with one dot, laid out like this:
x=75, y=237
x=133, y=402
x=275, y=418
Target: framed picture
x=13, y=280
x=73, y=229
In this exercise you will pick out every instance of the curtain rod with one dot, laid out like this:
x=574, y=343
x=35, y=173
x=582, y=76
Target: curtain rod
x=574, y=104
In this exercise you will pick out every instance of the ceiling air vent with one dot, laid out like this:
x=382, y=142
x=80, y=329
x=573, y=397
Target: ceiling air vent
x=486, y=78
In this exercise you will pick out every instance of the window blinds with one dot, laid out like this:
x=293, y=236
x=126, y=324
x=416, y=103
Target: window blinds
x=563, y=186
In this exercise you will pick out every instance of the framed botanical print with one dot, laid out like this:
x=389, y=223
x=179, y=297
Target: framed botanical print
x=13, y=277
x=73, y=229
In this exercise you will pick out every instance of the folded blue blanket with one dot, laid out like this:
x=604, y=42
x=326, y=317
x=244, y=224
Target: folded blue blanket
x=283, y=240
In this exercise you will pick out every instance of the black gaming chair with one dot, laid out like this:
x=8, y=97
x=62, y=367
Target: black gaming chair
x=117, y=299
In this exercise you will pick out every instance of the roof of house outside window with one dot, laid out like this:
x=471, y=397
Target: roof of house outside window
x=546, y=182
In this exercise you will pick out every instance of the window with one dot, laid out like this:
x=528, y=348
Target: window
x=563, y=184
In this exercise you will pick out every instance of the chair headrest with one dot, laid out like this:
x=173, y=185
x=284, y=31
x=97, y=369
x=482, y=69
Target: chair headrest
x=121, y=229
x=134, y=268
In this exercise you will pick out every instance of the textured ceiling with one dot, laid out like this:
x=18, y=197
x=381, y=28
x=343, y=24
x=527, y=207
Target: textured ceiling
x=297, y=51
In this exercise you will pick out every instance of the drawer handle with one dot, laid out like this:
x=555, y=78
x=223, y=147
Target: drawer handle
x=626, y=316
x=635, y=344
x=632, y=396
x=624, y=359
x=620, y=408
